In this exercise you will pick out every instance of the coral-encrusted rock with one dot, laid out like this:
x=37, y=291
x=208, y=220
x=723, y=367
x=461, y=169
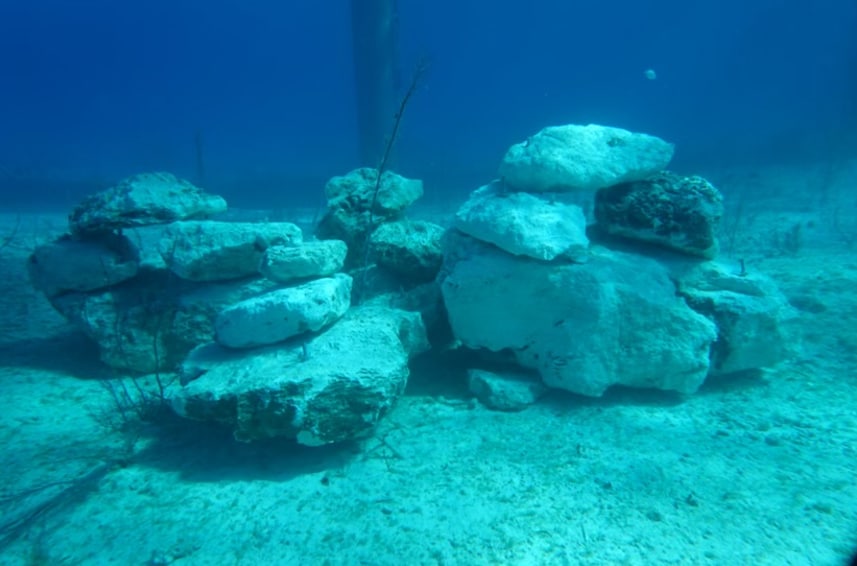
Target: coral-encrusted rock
x=409, y=248
x=349, y=199
x=680, y=213
x=335, y=387
x=614, y=320
x=69, y=264
x=140, y=200
x=537, y=226
x=300, y=261
x=354, y=192
x=216, y=251
x=583, y=158
x=281, y=314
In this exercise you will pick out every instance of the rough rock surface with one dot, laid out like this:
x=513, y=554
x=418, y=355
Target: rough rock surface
x=680, y=213
x=70, y=264
x=583, y=158
x=216, y=251
x=615, y=320
x=151, y=322
x=349, y=199
x=354, y=191
x=334, y=387
x=281, y=314
x=537, y=226
x=409, y=248
x=506, y=391
x=140, y=200
x=753, y=317
x=300, y=261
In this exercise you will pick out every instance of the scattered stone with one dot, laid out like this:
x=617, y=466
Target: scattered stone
x=679, y=213
x=583, y=158
x=281, y=314
x=540, y=227
x=140, y=200
x=507, y=391
x=409, y=248
x=334, y=387
x=300, y=261
x=73, y=265
x=216, y=251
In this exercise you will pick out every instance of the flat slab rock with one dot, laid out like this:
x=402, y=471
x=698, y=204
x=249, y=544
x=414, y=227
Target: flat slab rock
x=523, y=224
x=210, y=250
x=300, y=261
x=583, y=158
x=141, y=200
x=334, y=387
x=70, y=264
x=278, y=315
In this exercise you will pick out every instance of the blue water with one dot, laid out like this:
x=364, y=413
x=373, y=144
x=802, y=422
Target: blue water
x=95, y=91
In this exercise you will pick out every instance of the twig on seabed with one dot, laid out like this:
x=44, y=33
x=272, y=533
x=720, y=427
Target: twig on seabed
x=6, y=241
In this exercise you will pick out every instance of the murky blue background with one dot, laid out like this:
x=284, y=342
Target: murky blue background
x=95, y=90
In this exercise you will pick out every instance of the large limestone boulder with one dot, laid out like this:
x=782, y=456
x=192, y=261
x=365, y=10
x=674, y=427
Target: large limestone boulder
x=281, y=314
x=140, y=200
x=537, y=226
x=409, y=248
x=216, y=251
x=615, y=320
x=583, y=158
x=285, y=264
x=334, y=387
x=73, y=265
x=675, y=212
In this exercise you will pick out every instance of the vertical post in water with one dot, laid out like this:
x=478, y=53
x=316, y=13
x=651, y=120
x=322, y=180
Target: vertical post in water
x=373, y=26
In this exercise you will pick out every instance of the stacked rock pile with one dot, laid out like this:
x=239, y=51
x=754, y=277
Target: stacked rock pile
x=641, y=306
x=263, y=330
x=257, y=320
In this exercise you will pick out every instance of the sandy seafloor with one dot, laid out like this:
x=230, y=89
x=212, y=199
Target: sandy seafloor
x=755, y=469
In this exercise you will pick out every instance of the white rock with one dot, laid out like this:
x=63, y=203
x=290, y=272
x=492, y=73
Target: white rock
x=752, y=315
x=308, y=259
x=539, y=227
x=281, y=314
x=68, y=264
x=583, y=158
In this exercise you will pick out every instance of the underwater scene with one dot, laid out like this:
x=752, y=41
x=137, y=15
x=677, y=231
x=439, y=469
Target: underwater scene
x=384, y=282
